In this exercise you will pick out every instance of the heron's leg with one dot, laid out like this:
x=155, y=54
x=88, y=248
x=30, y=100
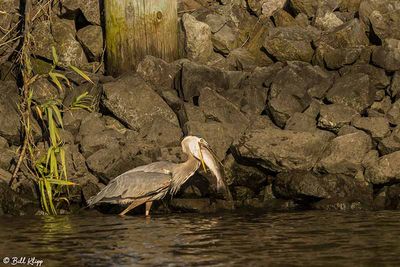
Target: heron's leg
x=131, y=206
x=148, y=207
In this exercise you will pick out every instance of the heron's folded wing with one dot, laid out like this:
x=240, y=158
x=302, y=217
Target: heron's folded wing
x=132, y=185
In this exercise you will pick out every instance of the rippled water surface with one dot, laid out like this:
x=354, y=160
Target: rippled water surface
x=241, y=239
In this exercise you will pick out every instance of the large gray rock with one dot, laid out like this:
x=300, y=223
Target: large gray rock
x=353, y=91
x=158, y=73
x=335, y=116
x=327, y=20
x=301, y=122
x=9, y=118
x=377, y=76
x=69, y=50
x=225, y=40
x=385, y=170
x=289, y=43
x=162, y=133
x=195, y=77
x=217, y=135
x=91, y=38
x=216, y=107
x=383, y=16
x=280, y=150
x=377, y=127
x=307, y=187
x=42, y=39
x=387, y=56
x=341, y=46
x=393, y=114
x=198, y=44
x=293, y=88
x=242, y=175
x=89, y=8
x=135, y=103
x=345, y=154
x=266, y=8
x=394, y=89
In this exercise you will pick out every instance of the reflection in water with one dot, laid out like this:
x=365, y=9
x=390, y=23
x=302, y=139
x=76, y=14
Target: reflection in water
x=298, y=238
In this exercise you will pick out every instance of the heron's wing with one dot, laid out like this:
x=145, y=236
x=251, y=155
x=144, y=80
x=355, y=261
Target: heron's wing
x=133, y=185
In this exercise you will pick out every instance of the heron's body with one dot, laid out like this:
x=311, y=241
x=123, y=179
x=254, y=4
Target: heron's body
x=151, y=182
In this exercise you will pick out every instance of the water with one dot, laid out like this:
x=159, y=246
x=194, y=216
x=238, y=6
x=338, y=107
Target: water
x=239, y=239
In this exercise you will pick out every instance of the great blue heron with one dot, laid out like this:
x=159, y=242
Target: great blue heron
x=154, y=181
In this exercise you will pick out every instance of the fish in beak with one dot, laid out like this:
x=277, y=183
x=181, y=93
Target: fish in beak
x=208, y=158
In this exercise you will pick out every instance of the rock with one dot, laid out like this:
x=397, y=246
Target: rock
x=163, y=133
x=353, y=91
x=393, y=114
x=385, y=170
x=7, y=156
x=108, y=163
x=350, y=5
x=242, y=193
x=387, y=56
x=217, y=135
x=284, y=19
x=69, y=50
x=377, y=77
x=326, y=21
x=90, y=9
x=383, y=16
x=333, y=117
x=307, y=187
x=242, y=175
x=72, y=119
x=198, y=44
x=301, y=122
x=347, y=129
x=9, y=119
x=266, y=8
x=44, y=90
x=395, y=86
x=195, y=77
x=293, y=88
x=43, y=39
x=158, y=73
x=241, y=59
x=270, y=7
x=216, y=107
x=279, y=150
x=13, y=203
x=300, y=186
x=388, y=145
x=225, y=40
x=381, y=108
x=377, y=127
x=345, y=154
x=289, y=43
x=308, y=7
x=341, y=46
x=199, y=205
x=91, y=38
x=262, y=77
x=75, y=163
x=135, y=103
x=216, y=22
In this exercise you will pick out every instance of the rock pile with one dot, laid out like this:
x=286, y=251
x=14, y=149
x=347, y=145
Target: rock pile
x=299, y=99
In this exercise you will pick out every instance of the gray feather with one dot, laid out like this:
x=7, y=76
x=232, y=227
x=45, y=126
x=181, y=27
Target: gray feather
x=136, y=183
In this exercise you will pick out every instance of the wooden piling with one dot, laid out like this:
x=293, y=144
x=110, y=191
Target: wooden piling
x=136, y=28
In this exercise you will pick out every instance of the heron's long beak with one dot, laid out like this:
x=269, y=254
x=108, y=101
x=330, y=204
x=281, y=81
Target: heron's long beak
x=202, y=159
x=209, y=158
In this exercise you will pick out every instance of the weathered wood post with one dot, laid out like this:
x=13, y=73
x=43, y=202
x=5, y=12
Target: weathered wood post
x=136, y=28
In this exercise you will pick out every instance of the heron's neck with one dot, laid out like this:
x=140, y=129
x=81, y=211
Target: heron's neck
x=182, y=172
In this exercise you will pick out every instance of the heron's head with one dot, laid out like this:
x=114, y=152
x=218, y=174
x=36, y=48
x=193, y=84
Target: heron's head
x=201, y=150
